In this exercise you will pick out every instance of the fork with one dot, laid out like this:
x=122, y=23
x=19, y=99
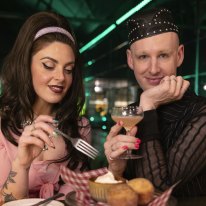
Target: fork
x=79, y=144
x=58, y=195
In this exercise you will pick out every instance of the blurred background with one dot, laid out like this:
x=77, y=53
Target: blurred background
x=101, y=32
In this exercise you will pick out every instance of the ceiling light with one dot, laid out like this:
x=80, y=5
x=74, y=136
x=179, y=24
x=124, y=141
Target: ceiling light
x=113, y=26
x=98, y=89
x=132, y=11
x=97, y=38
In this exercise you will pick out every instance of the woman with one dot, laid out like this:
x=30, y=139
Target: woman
x=42, y=85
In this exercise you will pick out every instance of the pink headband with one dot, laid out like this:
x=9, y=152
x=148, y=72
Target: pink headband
x=53, y=29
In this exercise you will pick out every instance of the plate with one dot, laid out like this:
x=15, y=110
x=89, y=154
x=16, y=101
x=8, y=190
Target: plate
x=70, y=199
x=31, y=201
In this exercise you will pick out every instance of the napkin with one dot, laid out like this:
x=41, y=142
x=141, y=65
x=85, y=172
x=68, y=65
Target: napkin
x=79, y=182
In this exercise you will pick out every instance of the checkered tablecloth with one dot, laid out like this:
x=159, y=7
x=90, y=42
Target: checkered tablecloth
x=79, y=182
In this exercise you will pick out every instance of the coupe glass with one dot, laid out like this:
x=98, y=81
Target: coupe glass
x=130, y=116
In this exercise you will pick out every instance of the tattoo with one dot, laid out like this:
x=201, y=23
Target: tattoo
x=7, y=197
x=10, y=179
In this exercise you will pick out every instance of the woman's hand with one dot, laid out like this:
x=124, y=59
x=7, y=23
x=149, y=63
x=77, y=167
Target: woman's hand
x=34, y=139
x=117, y=144
x=170, y=89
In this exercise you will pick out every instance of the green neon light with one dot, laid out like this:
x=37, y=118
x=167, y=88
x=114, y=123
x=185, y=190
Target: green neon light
x=132, y=11
x=104, y=119
x=87, y=79
x=91, y=119
x=87, y=94
x=83, y=112
x=113, y=26
x=97, y=38
x=104, y=127
x=189, y=76
x=194, y=75
x=197, y=62
x=89, y=63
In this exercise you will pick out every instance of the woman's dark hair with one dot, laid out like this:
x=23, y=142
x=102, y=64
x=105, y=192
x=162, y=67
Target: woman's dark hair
x=18, y=94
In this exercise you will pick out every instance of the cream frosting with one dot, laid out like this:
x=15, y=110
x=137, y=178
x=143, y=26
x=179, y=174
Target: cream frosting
x=107, y=178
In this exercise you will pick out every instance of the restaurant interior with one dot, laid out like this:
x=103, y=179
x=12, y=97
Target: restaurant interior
x=100, y=28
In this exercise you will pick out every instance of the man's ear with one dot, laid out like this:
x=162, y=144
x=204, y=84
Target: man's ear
x=129, y=59
x=180, y=55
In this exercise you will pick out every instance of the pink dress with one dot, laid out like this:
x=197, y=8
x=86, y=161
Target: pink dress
x=43, y=177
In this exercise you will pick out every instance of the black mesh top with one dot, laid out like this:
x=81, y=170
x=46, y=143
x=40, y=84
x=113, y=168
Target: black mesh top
x=174, y=146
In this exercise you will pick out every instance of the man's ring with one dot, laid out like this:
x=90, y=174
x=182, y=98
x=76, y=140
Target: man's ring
x=110, y=158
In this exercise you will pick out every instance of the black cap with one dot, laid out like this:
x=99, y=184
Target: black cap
x=150, y=23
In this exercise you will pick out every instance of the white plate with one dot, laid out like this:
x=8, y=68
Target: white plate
x=28, y=202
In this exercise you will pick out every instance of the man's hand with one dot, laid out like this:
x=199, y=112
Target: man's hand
x=169, y=90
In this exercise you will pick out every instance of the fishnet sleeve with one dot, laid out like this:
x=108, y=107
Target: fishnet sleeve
x=184, y=160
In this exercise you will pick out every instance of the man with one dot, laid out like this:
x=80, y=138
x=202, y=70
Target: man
x=173, y=131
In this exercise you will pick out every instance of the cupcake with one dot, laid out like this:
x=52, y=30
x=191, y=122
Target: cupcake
x=98, y=186
x=144, y=188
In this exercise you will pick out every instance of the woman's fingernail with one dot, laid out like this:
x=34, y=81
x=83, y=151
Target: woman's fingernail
x=138, y=140
x=125, y=147
x=136, y=145
x=120, y=123
x=52, y=144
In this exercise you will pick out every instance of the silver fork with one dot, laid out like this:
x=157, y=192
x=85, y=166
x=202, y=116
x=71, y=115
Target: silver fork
x=79, y=144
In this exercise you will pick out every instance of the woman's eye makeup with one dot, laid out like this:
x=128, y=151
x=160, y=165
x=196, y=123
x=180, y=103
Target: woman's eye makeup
x=48, y=66
x=68, y=69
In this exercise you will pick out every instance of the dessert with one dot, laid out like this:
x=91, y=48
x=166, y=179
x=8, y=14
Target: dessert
x=121, y=195
x=109, y=178
x=98, y=186
x=144, y=188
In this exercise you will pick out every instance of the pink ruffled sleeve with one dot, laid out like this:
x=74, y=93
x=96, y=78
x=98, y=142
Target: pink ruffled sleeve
x=7, y=154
